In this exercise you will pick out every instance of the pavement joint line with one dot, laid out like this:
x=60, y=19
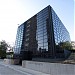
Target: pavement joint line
x=22, y=70
x=15, y=69
x=38, y=73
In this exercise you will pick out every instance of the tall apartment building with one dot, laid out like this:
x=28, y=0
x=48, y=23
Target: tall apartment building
x=41, y=36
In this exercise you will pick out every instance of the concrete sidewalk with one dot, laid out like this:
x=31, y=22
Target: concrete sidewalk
x=22, y=70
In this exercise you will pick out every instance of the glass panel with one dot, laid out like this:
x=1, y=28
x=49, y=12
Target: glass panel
x=40, y=29
x=40, y=38
x=45, y=37
x=40, y=44
x=45, y=40
x=40, y=35
x=46, y=47
x=40, y=41
x=45, y=43
x=40, y=32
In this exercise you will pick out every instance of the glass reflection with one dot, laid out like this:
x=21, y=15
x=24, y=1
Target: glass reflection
x=42, y=30
x=19, y=38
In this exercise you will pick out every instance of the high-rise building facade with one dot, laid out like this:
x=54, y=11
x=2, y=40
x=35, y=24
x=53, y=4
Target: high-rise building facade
x=41, y=36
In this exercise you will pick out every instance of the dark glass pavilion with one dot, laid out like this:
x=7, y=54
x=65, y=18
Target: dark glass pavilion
x=41, y=36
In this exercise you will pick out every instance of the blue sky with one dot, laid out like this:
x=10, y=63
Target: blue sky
x=14, y=12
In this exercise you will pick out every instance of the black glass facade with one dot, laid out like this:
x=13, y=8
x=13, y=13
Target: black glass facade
x=19, y=38
x=60, y=32
x=61, y=35
x=41, y=36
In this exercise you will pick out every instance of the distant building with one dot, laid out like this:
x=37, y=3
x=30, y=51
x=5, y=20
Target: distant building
x=41, y=36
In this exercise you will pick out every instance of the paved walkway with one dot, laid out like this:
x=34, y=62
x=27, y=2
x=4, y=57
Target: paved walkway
x=17, y=70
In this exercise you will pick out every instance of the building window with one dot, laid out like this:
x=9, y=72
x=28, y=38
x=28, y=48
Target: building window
x=27, y=44
x=27, y=39
x=28, y=22
x=27, y=30
x=28, y=25
x=27, y=34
